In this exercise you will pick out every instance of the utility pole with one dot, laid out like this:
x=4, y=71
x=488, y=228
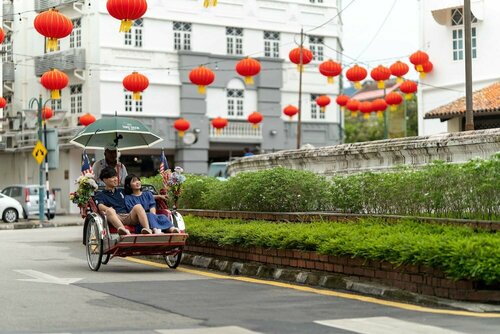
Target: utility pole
x=41, y=199
x=301, y=67
x=469, y=116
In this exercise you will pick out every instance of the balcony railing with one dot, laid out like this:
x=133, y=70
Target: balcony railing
x=72, y=59
x=237, y=131
x=42, y=5
x=8, y=72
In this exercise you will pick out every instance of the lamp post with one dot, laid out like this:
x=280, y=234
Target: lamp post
x=42, y=136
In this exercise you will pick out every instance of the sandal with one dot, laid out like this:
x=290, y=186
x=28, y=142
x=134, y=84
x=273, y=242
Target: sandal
x=146, y=231
x=173, y=230
x=123, y=231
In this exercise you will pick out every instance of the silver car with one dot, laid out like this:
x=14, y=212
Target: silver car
x=28, y=196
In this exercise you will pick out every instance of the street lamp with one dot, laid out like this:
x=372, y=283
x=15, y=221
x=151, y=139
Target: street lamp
x=41, y=200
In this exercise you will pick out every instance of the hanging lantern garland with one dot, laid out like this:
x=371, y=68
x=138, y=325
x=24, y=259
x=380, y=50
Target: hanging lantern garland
x=409, y=88
x=353, y=107
x=54, y=80
x=86, y=119
x=219, y=123
x=322, y=101
x=255, y=118
x=54, y=26
x=342, y=101
x=182, y=125
x=3, y=102
x=366, y=108
x=47, y=113
x=202, y=77
x=208, y=3
x=426, y=68
x=330, y=69
x=248, y=68
x=2, y=35
x=356, y=74
x=136, y=83
x=290, y=111
x=394, y=100
x=126, y=11
x=380, y=74
x=379, y=105
x=418, y=59
x=295, y=55
x=399, y=69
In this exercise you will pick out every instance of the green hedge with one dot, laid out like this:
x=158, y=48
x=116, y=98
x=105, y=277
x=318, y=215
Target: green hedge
x=459, y=251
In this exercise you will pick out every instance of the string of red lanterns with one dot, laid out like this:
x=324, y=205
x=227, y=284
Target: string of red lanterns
x=136, y=83
x=54, y=26
x=219, y=123
x=322, y=101
x=54, y=80
x=126, y=11
x=182, y=125
x=290, y=111
x=295, y=57
x=248, y=68
x=86, y=119
x=255, y=118
x=202, y=77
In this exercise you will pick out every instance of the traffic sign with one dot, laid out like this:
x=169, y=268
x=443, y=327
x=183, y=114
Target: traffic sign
x=39, y=152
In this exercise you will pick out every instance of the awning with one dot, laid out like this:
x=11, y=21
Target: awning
x=441, y=10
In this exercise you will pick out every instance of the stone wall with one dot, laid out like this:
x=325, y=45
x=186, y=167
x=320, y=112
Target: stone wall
x=381, y=155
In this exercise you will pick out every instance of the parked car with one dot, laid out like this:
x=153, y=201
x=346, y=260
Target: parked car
x=10, y=209
x=218, y=170
x=28, y=196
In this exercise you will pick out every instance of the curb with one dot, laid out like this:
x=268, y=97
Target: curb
x=36, y=224
x=323, y=280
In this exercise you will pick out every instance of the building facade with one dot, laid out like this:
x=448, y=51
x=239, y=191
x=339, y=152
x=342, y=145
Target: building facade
x=172, y=38
x=442, y=37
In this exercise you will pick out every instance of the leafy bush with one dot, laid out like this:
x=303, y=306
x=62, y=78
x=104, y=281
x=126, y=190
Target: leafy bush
x=460, y=252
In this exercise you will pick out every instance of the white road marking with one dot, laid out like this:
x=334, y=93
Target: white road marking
x=40, y=277
x=208, y=330
x=384, y=325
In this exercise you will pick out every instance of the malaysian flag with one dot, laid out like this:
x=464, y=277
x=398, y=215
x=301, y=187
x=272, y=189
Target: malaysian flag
x=164, y=169
x=86, y=167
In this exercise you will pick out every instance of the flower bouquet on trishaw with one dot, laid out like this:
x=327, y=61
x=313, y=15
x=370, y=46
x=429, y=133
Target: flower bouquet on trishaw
x=102, y=238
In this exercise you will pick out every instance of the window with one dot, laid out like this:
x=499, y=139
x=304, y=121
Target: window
x=271, y=44
x=235, y=102
x=75, y=38
x=457, y=34
x=182, y=36
x=57, y=49
x=134, y=36
x=316, y=43
x=56, y=104
x=7, y=48
x=75, y=92
x=234, y=38
x=316, y=1
x=132, y=105
x=315, y=110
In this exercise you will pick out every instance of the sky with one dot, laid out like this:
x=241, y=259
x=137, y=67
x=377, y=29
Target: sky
x=398, y=36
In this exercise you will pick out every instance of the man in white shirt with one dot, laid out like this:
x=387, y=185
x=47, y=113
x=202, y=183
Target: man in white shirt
x=110, y=160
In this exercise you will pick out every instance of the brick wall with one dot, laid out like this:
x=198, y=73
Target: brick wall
x=413, y=278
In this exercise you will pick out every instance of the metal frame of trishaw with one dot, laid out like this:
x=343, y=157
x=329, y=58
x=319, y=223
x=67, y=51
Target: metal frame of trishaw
x=103, y=243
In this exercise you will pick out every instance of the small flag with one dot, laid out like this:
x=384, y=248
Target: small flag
x=164, y=169
x=86, y=167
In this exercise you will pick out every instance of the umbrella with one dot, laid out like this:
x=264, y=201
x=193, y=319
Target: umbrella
x=126, y=133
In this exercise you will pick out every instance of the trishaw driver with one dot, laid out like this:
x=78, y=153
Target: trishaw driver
x=111, y=202
x=110, y=160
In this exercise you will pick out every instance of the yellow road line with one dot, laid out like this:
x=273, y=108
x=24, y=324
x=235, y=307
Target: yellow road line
x=366, y=299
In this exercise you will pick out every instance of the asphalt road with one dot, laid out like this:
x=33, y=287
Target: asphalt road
x=46, y=287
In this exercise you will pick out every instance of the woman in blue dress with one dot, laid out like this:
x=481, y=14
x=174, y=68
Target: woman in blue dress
x=134, y=195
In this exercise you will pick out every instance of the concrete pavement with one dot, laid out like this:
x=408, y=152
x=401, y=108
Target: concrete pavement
x=58, y=221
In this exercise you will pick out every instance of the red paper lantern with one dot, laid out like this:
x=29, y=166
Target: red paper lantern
x=295, y=54
x=136, y=83
x=356, y=74
x=86, y=119
x=207, y=3
x=322, y=101
x=3, y=102
x=393, y=99
x=219, y=123
x=181, y=125
x=418, y=59
x=202, y=77
x=366, y=108
x=47, y=113
x=353, y=107
x=426, y=68
x=330, y=69
x=54, y=80
x=127, y=11
x=2, y=35
x=399, y=69
x=255, y=118
x=290, y=111
x=248, y=67
x=379, y=105
x=409, y=88
x=342, y=100
x=380, y=74
x=53, y=25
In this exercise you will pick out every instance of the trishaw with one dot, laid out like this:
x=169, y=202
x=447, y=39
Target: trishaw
x=102, y=241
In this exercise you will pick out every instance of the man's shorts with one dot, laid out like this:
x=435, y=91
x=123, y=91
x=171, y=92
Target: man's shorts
x=126, y=219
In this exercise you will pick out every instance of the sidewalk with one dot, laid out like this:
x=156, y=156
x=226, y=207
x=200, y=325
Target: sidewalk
x=58, y=221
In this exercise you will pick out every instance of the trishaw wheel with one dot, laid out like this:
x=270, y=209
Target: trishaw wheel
x=94, y=246
x=106, y=259
x=173, y=261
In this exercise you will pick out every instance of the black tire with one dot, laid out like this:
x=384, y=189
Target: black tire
x=105, y=260
x=10, y=215
x=173, y=261
x=51, y=216
x=93, y=246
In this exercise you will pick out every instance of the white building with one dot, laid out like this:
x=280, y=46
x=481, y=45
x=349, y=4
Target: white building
x=173, y=37
x=442, y=37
